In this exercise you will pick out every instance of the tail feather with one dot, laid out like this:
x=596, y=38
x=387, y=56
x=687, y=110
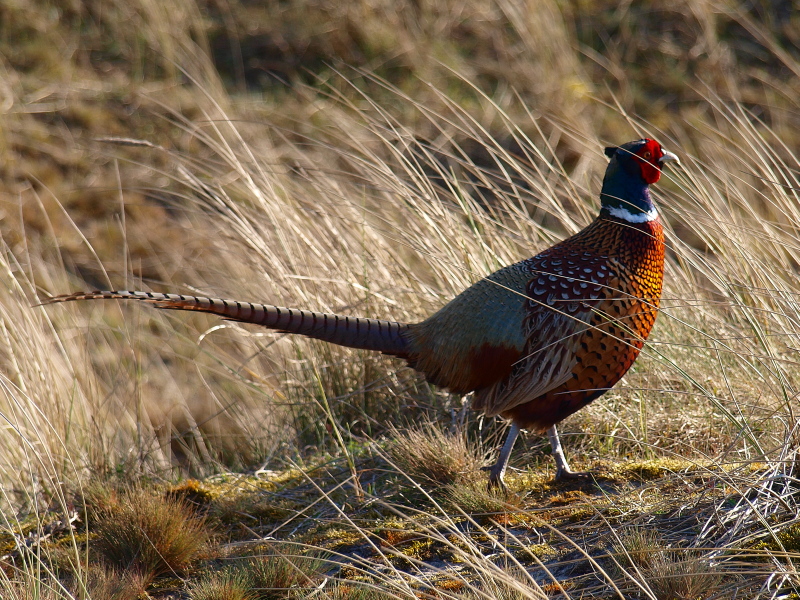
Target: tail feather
x=388, y=337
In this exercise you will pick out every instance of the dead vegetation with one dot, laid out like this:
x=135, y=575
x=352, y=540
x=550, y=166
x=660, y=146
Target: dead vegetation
x=428, y=453
x=140, y=532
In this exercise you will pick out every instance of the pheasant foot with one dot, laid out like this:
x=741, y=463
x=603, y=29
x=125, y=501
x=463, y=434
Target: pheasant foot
x=563, y=472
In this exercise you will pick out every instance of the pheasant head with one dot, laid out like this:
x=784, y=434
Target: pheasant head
x=626, y=186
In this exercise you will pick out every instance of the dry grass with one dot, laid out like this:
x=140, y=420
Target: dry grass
x=667, y=574
x=514, y=587
x=148, y=534
x=277, y=571
x=469, y=137
x=473, y=497
x=227, y=585
x=283, y=570
x=30, y=590
x=103, y=583
x=425, y=452
x=350, y=591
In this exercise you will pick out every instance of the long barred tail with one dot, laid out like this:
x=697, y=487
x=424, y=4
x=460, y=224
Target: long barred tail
x=354, y=332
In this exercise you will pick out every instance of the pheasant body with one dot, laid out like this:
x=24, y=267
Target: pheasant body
x=535, y=341
x=608, y=313
x=542, y=338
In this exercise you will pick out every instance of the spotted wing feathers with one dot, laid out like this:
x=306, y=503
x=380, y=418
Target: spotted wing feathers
x=562, y=300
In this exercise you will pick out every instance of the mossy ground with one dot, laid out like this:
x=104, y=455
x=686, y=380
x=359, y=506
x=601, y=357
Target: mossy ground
x=436, y=545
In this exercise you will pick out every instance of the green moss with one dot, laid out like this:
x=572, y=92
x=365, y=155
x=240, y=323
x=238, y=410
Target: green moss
x=540, y=551
x=420, y=549
x=193, y=492
x=334, y=537
x=651, y=469
x=788, y=539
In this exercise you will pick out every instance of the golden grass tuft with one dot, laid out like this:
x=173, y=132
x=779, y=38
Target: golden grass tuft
x=149, y=534
x=511, y=585
x=225, y=585
x=666, y=573
x=426, y=453
x=104, y=583
x=283, y=571
x=31, y=590
x=473, y=498
x=358, y=591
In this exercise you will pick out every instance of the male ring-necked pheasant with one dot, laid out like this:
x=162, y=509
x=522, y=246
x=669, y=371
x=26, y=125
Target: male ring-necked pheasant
x=535, y=341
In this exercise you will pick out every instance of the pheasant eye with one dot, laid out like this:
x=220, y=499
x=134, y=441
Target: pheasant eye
x=647, y=155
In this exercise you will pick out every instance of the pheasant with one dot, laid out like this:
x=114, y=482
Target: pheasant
x=535, y=341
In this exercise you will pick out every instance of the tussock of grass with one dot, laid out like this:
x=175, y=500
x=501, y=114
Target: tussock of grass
x=474, y=498
x=502, y=592
x=31, y=590
x=513, y=585
x=356, y=591
x=149, y=534
x=104, y=583
x=283, y=570
x=667, y=574
x=426, y=453
x=225, y=585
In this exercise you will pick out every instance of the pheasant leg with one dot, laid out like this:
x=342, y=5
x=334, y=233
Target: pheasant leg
x=562, y=467
x=498, y=470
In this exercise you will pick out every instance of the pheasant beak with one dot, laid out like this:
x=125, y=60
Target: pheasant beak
x=668, y=156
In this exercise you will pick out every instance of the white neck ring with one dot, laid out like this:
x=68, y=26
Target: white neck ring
x=630, y=217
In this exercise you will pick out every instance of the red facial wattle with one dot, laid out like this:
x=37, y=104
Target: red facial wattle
x=649, y=156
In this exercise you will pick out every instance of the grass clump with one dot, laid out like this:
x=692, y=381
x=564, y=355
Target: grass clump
x=353, y=591
x=425, y=452
x=149, y=534
x=105, y=583
x=512, y=585
x=225, y=585
x=665, y=573
x=284, y=569
x=15, y=590
x=278, y=573
x=474, y=498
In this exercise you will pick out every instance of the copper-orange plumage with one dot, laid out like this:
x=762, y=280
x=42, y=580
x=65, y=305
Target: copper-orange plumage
x=535, y=341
